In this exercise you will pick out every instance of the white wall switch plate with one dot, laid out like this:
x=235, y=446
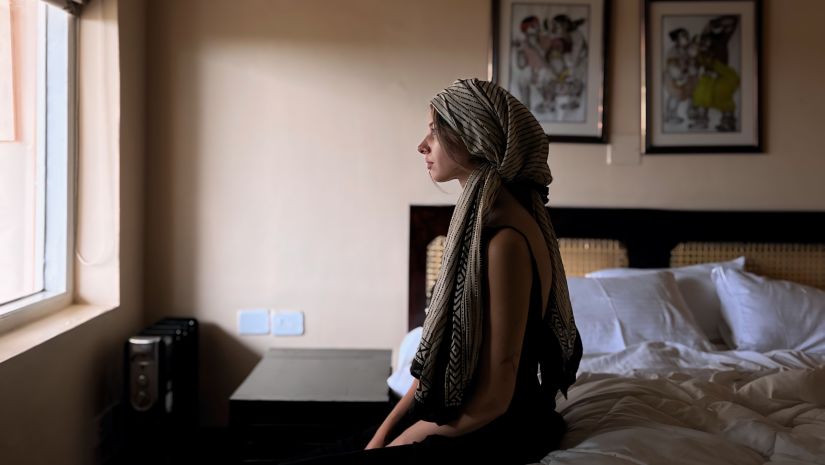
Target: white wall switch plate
x=253, y=321
x=287, y=323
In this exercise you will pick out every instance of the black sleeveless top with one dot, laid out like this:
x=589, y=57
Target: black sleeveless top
x=531, y=402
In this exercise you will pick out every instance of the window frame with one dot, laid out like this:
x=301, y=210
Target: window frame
x=56, y=170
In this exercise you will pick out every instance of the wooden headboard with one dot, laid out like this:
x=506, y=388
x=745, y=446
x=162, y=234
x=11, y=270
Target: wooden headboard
x=649, y=235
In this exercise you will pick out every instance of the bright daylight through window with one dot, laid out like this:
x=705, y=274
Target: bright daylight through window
x=36, y=137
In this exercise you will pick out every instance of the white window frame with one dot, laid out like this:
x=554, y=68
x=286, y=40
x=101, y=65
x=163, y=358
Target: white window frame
x=56, y=170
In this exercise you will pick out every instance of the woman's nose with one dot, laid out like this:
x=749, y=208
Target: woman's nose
x=423, y=148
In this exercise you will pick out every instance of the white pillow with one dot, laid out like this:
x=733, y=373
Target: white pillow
x=766, y=314
x=401, y=379
x=696, y=286
x=614, y=313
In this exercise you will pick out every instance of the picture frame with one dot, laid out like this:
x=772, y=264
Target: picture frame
x=701, y=76
x=552, y=56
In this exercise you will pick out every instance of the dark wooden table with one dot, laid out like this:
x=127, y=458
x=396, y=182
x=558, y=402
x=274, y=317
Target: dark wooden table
x=297, y=399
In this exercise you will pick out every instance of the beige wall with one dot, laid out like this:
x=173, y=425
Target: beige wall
x=281, y=157
x=51, y=394
x=787, y=177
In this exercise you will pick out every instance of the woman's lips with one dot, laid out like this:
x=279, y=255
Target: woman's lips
x=429, y=164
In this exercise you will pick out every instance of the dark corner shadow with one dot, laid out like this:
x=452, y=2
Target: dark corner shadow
x=224, y=363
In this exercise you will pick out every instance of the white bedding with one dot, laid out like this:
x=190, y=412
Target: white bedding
x=664, y=403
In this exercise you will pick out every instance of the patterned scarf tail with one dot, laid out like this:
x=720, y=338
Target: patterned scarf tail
x=566, y=334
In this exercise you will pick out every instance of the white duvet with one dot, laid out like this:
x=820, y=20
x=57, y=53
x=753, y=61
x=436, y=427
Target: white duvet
x=660, y=403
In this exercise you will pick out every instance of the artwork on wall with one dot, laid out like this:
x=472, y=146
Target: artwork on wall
x=701, y=76
x=552, y=56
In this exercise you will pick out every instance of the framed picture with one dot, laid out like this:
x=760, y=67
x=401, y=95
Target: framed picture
x=552, y=56
x=701, y=76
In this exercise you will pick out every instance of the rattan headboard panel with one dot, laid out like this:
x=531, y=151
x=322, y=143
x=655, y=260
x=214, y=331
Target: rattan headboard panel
x=579, y=256
x=435, y=251
x=801, y=263
x=649, y=236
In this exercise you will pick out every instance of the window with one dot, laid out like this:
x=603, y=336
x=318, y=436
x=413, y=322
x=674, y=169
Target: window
x=36, y=155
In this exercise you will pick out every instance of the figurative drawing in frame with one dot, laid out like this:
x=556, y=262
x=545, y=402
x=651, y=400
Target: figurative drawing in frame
x=552, y=56
x=701, y=76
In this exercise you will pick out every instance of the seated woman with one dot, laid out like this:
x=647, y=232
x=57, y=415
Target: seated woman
x=499, y=339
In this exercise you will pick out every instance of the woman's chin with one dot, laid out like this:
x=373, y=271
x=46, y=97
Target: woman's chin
x=440, y=177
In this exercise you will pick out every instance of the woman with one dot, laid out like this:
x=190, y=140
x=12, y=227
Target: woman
x=499, y=310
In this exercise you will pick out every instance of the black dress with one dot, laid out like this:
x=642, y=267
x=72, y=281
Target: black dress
x=525, y=433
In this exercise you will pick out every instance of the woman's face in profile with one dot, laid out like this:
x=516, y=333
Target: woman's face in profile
x=441, y=166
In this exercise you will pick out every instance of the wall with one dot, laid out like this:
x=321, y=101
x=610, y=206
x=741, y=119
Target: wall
x=281, y=157
x=51, y=394
x=786, y=177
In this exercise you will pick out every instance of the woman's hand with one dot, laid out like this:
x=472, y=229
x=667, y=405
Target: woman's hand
x=376, y=442
x=417, y=432
x=402, y=439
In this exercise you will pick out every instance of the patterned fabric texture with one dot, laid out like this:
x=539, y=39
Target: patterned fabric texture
x=495, y=127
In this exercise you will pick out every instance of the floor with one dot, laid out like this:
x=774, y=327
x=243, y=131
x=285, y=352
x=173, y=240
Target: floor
x=206, y=446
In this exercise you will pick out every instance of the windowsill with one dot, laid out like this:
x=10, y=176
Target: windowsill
x=13, y=308
x=34, y=333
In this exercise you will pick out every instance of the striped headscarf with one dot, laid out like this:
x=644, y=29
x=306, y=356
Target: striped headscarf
x=500, y=130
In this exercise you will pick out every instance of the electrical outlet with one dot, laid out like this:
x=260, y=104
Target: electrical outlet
x=253, y=321
x=287, y=323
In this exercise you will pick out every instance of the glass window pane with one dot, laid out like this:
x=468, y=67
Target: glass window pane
x=21, y=222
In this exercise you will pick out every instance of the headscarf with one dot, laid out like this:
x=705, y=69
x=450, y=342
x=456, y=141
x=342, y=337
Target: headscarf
x=501, y=131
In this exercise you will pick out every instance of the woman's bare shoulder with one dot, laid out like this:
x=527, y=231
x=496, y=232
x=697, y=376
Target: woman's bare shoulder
x=507, y=248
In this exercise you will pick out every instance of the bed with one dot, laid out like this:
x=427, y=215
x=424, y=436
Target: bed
x=670, y=377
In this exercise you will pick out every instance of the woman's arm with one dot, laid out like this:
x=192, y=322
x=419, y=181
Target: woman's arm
x=509, y=272
x=379, y=439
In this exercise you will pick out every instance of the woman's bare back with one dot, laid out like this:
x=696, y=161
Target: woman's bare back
x=508, y=212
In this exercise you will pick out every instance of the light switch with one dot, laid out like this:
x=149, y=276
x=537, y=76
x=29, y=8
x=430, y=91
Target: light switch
x=253, y=321
x=287, y=323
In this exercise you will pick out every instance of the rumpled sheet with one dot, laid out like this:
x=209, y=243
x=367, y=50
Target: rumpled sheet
x=663, y=403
